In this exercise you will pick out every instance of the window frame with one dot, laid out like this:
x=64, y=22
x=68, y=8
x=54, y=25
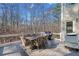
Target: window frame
x=70, y=33
x=69, y=26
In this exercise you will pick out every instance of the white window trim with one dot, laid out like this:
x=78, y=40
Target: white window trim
x=74, y=28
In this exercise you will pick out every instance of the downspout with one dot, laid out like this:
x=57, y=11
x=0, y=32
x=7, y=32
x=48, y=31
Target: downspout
x=62, y=18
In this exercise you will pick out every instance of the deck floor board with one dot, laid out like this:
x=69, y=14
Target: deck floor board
x=12, y=49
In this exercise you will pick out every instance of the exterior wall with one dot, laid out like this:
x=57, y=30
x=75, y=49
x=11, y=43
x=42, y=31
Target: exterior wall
x=71, y=13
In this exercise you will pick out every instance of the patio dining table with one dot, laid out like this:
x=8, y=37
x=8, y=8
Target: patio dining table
x=35, y=39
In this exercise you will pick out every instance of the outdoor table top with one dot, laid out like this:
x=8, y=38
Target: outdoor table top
x=35, y=37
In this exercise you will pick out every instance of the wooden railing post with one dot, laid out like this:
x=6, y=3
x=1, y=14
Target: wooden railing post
x=22, y=39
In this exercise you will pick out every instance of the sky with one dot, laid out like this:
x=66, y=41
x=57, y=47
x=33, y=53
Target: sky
x=28, y=9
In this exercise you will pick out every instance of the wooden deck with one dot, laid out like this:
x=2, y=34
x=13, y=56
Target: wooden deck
x=12, y=49
x=16, y=49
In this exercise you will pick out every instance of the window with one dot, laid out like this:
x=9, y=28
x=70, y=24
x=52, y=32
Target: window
x=69, y=27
